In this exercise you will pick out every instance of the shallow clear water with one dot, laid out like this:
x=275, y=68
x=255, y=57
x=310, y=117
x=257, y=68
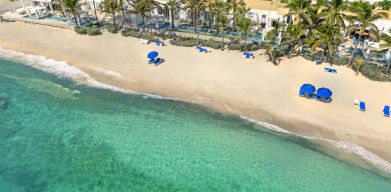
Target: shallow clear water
x=58, y=136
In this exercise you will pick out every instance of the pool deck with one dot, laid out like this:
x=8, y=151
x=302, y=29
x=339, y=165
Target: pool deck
x=13, y=16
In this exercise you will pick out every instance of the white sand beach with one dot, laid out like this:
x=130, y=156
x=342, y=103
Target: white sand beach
x=225, y=81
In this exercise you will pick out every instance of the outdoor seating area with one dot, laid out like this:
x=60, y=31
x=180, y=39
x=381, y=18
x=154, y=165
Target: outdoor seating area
x=310, y=91
x=153, y=58
x=158, y=42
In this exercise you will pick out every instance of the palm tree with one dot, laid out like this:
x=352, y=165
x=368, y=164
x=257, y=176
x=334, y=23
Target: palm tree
x=387, y=44
x=96, y=16
x=245, y=26
x=333, y=12
x=295, y=33
x=366, y=19
x=299, y=8
x=222, y=18
x=173, y=7
x=234, y=5
x=111, y=7
x=121, y=7
x=329, y=37
x=73, y=6
x=194, y=6
x=62, y=8
x=210, y=4
x=141, y=7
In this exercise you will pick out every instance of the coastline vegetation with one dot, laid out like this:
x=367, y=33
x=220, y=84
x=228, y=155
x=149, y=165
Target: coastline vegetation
x=316, y=30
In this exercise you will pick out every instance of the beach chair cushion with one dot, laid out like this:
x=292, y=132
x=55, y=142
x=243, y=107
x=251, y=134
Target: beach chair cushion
x=362, y=106
x=386, y=111
x=330, y=70
x=157, y=61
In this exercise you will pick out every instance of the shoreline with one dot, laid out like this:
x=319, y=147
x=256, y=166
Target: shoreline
x=161, y=81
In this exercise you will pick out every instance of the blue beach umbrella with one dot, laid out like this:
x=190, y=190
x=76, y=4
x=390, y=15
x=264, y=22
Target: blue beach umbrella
x=307, y=89
x=324, y=93
x=152, y=55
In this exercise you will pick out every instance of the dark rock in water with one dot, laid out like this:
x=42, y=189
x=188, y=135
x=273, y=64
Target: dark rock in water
x=3, y=103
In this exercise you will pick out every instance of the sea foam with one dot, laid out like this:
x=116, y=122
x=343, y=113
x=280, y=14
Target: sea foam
x=63, y=70
x=346, y=146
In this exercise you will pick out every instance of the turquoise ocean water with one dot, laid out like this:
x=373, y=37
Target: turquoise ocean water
x=56, y=135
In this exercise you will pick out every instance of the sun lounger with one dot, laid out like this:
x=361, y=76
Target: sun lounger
x=362, y=106
x=202, y=50
x=248, y=55
x=159, y=43
x=150, y=61
x=386, y=111
x=330, y=70
x=356, y=101
x=156, y=61
x=143, y=41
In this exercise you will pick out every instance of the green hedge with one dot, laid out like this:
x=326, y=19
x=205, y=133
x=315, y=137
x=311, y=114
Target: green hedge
x=81, y=30
x=130, y=33
x=89, y=30
x=373, y=72
x=212, y=44
x=93, y=31
x=110, y=27
x=241, y=47
x=184, y=42
x=235, y=46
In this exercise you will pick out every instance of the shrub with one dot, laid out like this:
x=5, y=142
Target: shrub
x=253, y=47
x=93, y=31
x=373, y=72
x=212, y=43
x=235, y=46
x=342, y=60
x=81, y=30
x=184, y=42
x=264, y=45
x=130, y=33
x=111, y=28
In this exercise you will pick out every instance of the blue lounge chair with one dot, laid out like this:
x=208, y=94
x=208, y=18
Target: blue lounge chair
x=159, y=43
x=386, y=111
x=248, y=55
x=330, y=70
x=156, y=61
x=362, y=106
x=150, y=61
x=202, y=50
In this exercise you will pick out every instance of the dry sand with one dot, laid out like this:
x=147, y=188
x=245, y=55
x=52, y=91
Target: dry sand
x=224, y=81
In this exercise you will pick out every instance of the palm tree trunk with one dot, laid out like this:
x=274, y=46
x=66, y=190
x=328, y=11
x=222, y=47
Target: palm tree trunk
x=123, y=16
x=354, y=50
x=75, y=16
x=113, y=13
x=96, y=16
x=198, y=34
x=222, y=39
x=172, y=19
x=323, y=53
x=62, y=8
x=245, y=42
x=143, y=24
